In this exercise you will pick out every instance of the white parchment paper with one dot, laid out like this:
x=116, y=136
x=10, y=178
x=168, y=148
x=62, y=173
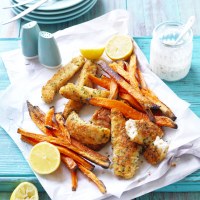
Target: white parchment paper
x=27, y=79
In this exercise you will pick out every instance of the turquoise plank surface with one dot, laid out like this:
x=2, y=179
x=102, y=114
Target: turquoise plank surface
x=150, y=196
x=14, y=169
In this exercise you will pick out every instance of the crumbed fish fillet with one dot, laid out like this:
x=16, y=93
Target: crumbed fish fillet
x=156, y=152
x=101, y=117
x=142, y=131
x=60, y=78
x=87, y=134
x=88, y=68
x=81, y=93
x=125, y=152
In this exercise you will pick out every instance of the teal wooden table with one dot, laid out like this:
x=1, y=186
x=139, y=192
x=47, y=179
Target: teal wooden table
x=14, y=169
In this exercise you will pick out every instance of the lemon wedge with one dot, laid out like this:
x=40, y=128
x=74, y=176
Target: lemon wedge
x=25, y=191
x=92, y=53
x=44, y=158
x=119, y=47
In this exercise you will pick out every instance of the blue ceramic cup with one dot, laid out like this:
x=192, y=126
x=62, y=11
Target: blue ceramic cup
x=29, y=41
x=48, y=51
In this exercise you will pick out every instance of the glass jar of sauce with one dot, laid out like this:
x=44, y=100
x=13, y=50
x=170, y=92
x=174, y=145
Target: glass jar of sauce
x=171, y=62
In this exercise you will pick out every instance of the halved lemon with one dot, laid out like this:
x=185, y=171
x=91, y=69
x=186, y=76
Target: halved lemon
x=92, y=53
x=25, y=191
x=119, y=47
x=44, y=158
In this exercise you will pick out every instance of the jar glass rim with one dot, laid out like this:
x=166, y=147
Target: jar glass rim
x=175, y=24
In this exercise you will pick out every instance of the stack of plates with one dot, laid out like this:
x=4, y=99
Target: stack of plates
x=55, y=11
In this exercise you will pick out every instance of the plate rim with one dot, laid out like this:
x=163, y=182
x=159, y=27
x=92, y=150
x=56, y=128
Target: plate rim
x=45, y=17
x=60, y=11
x=60, y=20
x=43, y=8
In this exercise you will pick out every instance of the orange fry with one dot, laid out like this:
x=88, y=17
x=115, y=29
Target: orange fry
x=37, y=116
x=105, y=83
x=130, y=112
x=69, y=162
x=87, y=153
x=94, y=178
x=163, y=108
x=48, y=120
x=64, y=152
x=141, y=79
x=28, y=140
x=64, y=132
x=74, y=180
x=120, y=70
x=131, y=100
x=113, y=90
x=132, y=72
x=143, y=101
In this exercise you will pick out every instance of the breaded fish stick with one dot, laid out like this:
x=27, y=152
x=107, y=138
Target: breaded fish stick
x=125, y=152
x=156, y=152
x=142, y=131
x=83, y=80
x=87, y=134
x=81, y=93
x=60, y=78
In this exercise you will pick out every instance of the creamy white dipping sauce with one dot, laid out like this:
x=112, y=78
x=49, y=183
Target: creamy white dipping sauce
x=170, y=62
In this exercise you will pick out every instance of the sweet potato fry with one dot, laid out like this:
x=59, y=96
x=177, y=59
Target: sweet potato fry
x=120, y=70
x=163, y=108
x=74, y=180
x=49, y=121
x=69, y=162
x=37, y=116
x=130, y=112
x=81, y=93
x=105, y=83
x=133, y=71
x=64, y=132
x=64, y=152
x=131, y=100
x=141, y=80
x=75, y=157
x=28, y=140
x=153, y=98
x=144, y=102
x=42, y=138
x=83, y=151
x=93, y=177
x=113, y=90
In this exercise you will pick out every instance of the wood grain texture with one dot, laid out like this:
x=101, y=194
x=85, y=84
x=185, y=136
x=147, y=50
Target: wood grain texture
x=145, y=15
x=150, y=196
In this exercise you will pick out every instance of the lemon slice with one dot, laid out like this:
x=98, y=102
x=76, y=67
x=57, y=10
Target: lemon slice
x=44, y=158
x=92, y=53
x=119, y=47
x=25, y=191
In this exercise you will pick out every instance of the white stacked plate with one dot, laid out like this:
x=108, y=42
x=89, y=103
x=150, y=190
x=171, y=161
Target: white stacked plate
x=55, y=11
